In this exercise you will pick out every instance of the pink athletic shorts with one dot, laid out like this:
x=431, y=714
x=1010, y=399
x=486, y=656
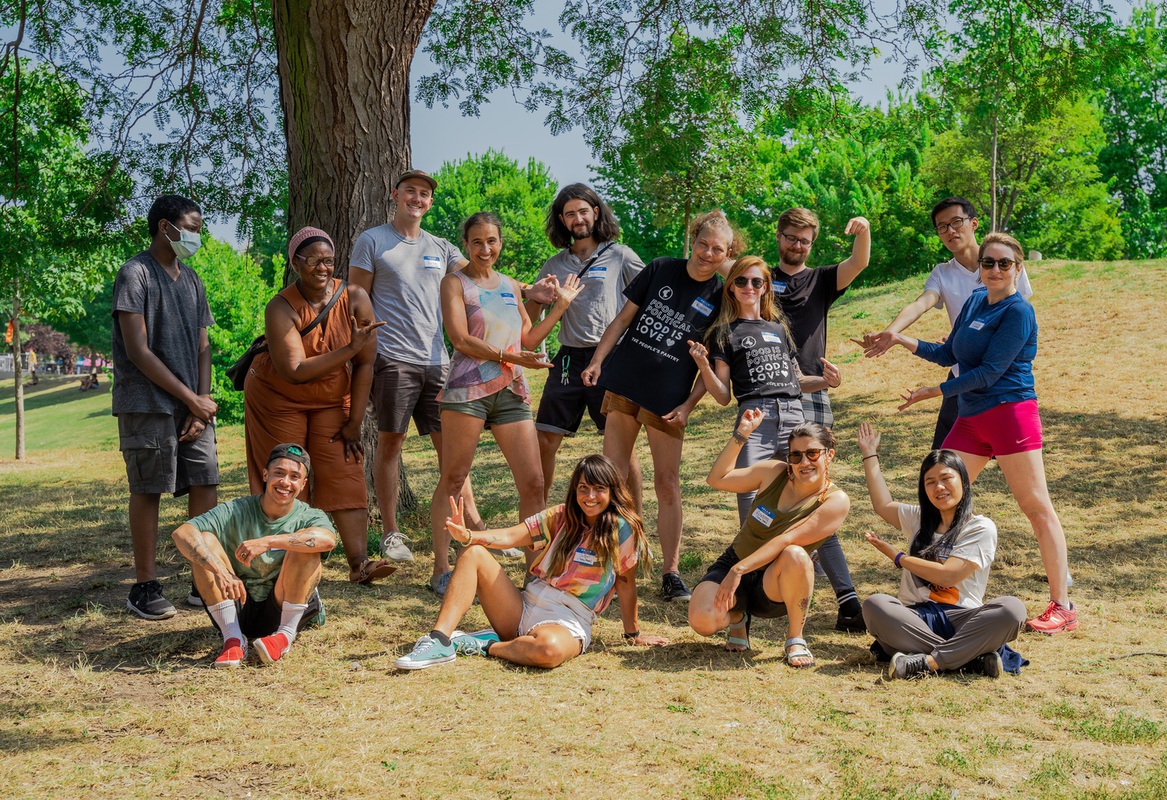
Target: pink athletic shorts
x=1009, y=428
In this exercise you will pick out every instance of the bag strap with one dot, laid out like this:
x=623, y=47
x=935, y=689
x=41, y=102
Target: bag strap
x=592, y=260
x=323, y=315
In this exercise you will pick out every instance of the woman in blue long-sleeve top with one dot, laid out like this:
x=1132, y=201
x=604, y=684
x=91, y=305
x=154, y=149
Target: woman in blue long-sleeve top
x=994, y=342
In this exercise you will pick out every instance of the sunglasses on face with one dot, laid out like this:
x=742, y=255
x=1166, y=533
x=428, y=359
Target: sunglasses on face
x=811, y=453
x=741, y=282
x=1003, y=264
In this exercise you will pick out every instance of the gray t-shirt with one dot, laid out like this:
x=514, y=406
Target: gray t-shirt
x=602, y=295
x=407, y=277
x=176, y=311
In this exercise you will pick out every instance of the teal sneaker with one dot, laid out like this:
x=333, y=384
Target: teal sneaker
x=317, y=619
x=474, y=644
x=427, y=652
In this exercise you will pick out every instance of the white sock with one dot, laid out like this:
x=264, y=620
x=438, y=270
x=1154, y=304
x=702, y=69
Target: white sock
x=226, y=616
x=290, y=619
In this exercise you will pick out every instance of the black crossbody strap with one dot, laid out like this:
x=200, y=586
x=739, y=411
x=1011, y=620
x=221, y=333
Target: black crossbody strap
x=323, y=315
x=592, y=260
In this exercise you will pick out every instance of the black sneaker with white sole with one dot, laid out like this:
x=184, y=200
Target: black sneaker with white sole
x=193, y=598
x=673, y=588
x=148, y=602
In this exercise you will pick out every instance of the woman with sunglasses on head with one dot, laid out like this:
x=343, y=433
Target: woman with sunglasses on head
x=587, y=550
x=312, y=389
x=940, y=620
x=767, y=571
x=994, y=342
x=749, y=349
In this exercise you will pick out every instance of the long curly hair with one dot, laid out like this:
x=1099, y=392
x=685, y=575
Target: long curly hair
x=597, y=470
x=606, y=229
x=718, y=333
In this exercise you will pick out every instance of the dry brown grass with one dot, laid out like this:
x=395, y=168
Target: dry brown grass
x=96, y=703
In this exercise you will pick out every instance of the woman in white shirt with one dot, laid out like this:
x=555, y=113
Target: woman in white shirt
x=940, y=620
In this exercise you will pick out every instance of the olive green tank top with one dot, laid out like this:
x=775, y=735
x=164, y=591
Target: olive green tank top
x=765, y=521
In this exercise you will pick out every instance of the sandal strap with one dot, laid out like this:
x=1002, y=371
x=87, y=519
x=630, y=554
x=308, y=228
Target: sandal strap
x=793, y=641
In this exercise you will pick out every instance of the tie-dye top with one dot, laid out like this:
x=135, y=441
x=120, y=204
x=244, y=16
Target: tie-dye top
x=585, y=578
x=493, y=316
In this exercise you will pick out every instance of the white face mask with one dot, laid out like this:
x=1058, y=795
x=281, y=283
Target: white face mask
x=188, y=243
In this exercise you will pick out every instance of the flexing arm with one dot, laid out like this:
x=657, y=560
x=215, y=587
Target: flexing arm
x=286, y=346
x=133, y=328
x=727, y=477
x=860, y=257
x=608, y=341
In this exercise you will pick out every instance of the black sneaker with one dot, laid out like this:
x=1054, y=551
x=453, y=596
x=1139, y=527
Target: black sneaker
x=193, y=598
x=673, y=588
x=850, y=623
x=990, y=664
x=905, y=665
x=148, y=602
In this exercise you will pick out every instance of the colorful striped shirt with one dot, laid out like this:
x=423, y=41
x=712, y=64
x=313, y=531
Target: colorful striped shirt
x=584, y=577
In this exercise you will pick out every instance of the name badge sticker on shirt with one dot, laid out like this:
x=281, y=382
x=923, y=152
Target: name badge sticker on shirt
x=703, y=306
x=779, y=287
x=509, y=299
x=977, y=324
x=771, y=337
x=597, y=272
x=584, y=556
x=431, y=262
x=763, y=515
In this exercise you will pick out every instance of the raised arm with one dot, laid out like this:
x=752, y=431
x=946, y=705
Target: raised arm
x=860, y=257
x=727, y=476
x=881, y=501
x=565, y=294
x=715, y=374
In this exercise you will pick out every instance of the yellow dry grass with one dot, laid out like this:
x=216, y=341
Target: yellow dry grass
x=96, y=703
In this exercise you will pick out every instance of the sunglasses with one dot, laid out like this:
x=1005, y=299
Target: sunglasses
x=741, y=282
x=811, y=453
x=1003, y=264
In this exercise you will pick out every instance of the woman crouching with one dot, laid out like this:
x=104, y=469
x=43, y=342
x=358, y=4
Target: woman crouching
x=590, y=548
x=767, y=571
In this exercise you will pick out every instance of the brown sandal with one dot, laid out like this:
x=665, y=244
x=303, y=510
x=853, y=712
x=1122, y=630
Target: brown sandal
x=371, y=570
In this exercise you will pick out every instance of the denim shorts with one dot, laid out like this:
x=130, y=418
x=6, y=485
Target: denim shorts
x=544, y=604
x=501, y=408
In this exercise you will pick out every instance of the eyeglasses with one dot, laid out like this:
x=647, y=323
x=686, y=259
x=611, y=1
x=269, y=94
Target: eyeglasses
x=956, y=224
x=811, y=453
x=315, y=262
x=1003, y=264
x=795, y=240
x=741, y=282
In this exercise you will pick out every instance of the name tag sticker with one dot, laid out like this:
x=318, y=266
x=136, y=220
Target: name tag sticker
x=703, y=306
x=584, y=556
x=763, y=515
x=779, y=287
x=509, y=299
x=431, y=262
x=976, y=324
x=597, y=272
x=771, y=337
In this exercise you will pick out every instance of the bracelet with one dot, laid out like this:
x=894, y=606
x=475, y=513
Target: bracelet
x=897, y=559
x=737, y=437
x=469, y=538
x=873, y=455
x=630, y=636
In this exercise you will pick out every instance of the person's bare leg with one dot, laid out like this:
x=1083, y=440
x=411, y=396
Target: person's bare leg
x=666, y=479
x=386, y=479
x=202, y=573
x=299, y=576
x=549, y=443
x=547, y=646
x=469, y=507
x=973, y=463
x=459, y=442
x=620, y=432
x=704, y=617
x=790, y=580
x=1025, y=474
x=477, y=573
x=143, y=513
x=353, y=526
x=520, y=448
x=200, y=500
x=635, y=482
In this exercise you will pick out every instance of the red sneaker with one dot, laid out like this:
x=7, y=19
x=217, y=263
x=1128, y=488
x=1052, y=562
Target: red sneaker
x=1055, y=619
x=271, y=648
x=232, y=656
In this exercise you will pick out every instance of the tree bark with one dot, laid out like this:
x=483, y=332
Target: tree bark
x=18, y=372
x=344, y=89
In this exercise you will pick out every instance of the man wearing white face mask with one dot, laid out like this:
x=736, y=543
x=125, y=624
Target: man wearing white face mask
x=162, y=385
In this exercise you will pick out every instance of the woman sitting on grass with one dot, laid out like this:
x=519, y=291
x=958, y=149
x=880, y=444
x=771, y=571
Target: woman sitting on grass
x=767, y=571
x=940, y=620
x=586, y=550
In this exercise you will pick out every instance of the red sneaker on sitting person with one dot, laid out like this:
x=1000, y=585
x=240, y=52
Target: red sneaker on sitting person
x=1055, y=619
x=271, y=648
x=232, y=656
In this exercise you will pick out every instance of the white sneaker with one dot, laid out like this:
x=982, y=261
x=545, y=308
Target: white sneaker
x=393, y=547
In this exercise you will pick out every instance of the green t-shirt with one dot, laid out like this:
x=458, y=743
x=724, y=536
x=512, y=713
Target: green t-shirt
x=241, y=520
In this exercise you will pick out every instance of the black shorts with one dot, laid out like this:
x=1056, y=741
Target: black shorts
x=750, y=596
x=565, y=397
x=262, y=617
x=403, y=391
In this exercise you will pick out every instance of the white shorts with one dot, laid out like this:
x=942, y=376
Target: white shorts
x=543, y=604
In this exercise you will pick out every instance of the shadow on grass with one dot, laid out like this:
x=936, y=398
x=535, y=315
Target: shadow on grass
x=49, y=393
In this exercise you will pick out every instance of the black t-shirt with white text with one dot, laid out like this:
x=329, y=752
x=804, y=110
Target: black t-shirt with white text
x=760, y=365
x=651, y=365
x=805, y=299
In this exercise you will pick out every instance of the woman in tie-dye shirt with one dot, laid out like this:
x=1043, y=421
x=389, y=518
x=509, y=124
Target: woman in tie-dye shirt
x=586, y=550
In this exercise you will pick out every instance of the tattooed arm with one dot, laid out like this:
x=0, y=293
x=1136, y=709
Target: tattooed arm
x=305, y=540
x=207, y=556
x=498, y=539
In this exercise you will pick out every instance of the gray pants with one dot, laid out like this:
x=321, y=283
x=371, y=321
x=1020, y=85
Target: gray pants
x=898, y=629
x=772, y=440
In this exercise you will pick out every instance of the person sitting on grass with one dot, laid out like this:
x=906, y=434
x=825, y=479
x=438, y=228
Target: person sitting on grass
x=767, y=571
x=586, y=550
x=256, y=561
x=940, y=620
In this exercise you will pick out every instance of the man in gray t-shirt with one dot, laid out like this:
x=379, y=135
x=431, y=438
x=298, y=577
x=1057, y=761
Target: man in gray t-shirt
x=162, y=385
x=584, y=227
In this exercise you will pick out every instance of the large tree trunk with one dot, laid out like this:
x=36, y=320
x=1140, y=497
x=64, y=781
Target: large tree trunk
x=344, y=88
x=18, y=372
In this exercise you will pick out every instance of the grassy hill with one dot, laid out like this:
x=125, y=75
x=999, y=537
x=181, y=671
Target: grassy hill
x=97, y=703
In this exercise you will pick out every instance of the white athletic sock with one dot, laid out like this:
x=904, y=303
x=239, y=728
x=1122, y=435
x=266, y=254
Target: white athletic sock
x=226, y=616
x=290, y=619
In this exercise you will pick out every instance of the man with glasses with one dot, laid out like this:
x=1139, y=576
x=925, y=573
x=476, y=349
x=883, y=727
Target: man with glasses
x=806, y=295
x=949, y=286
